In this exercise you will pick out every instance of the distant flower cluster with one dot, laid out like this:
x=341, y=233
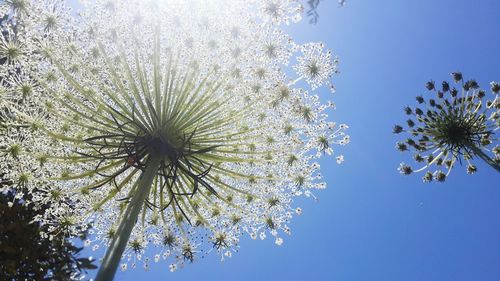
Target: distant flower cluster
x=454, y=125
x=200, y=99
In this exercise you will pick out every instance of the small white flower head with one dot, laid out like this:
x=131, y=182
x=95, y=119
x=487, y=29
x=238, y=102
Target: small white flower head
x=253, y=235
x=172, y=267
x=278, y=241
x=428, y=177
x=471, y=169
x=262, y=235
x=405, y=169
x=315, y=65
x=287, y=230
x=276, y=46
x=298, y=210
x=280, y=11
x=12, y=49
x=221, y=241
x=340, y=159
x=123, y=266
x=166, y=254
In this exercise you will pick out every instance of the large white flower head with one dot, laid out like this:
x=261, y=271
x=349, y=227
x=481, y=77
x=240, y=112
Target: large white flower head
x=186, y=121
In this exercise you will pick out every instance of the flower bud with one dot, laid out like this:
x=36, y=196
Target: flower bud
x=445, y=86
x=408, y=110
x=430, y=85
x=410, y=123
x=440, y=176
x=457, y=76
x=495, y=87
x=471, y=169
x=397, y=129
x=454, y=92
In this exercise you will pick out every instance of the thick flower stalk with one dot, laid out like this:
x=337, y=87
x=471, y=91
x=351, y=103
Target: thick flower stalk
x=174, y=131
x=455, y=125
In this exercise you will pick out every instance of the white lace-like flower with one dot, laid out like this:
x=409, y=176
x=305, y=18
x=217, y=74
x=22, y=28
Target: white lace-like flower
x=185, y=122
x=279, y=241
x=315, y=66
x=280, y=11
x=123, y=266
x=172, y=267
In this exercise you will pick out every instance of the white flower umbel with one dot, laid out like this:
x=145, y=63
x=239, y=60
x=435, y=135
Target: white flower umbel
x=315, y=66
x=169, y=129
x=454, y=126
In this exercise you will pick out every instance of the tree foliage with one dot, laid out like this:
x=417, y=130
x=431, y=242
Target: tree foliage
x=26, y=253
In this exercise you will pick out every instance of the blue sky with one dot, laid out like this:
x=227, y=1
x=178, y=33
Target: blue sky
x=372, y=223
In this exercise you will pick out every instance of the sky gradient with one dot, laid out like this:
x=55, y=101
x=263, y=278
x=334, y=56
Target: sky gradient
x=371, y=223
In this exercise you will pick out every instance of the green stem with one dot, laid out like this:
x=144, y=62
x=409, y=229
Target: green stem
x=478, y=152
x=128, y=220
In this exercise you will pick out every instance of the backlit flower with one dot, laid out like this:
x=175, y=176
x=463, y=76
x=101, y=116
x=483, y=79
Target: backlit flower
x=165, y=128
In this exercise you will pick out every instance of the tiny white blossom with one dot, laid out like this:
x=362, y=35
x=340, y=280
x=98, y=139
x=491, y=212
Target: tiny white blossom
x=253, y=235
x=262, y=235
x=279, y=241
x=172, y=267
x=340, y=159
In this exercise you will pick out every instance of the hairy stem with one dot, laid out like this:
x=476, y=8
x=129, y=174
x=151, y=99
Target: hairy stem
x=128, y=220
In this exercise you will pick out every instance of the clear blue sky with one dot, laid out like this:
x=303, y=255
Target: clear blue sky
x=371, y=223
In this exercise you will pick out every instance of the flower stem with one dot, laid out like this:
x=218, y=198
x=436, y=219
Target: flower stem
x=291, y=83
x=128, y=220
x=478, y=152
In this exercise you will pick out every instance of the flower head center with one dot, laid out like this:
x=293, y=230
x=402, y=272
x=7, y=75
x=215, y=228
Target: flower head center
x=456, y=133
